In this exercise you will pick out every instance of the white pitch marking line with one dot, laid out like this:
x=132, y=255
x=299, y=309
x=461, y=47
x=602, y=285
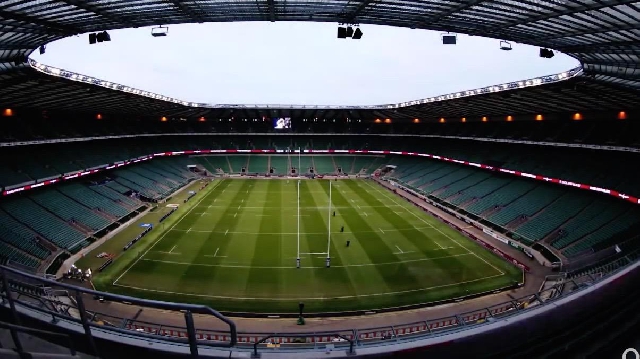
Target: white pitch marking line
x=164, y=234
x=381, y=230
x=227, y=231
x=174, y=247
x=358, y=207
x=437, y=229
x=399, y=250
x=238, y=207
x=318, y=298
x=365, y=214
x=292, y=233
x=243, y=200
x=216, y=253
x=235, y=215
x=189, y=230
x=282, y=267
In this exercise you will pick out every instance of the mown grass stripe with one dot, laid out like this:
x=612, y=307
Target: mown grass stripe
x=397, y=277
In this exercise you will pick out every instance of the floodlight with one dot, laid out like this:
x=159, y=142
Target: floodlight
x=103, y=36
x=505, y=45
x=357, y=35
x=546, y=53
x=342, y=32
x=349, y=31
x=92, y=38
x=42, y=48
x=449, y=39
x=159, y=31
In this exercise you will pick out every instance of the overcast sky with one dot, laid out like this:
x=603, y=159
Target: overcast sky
x=298, y=63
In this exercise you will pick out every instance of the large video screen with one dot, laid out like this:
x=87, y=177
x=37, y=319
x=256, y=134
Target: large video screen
x=282, y=123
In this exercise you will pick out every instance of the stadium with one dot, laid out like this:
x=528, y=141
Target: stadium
x=495, y=222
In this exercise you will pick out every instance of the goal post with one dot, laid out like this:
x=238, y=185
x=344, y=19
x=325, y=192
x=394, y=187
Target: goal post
x=329, y=230
x=298, y=215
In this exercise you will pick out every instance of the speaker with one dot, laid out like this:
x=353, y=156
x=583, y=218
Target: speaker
x=342, y=32
x=357, y=35
x=92, y=38
x=449, y=39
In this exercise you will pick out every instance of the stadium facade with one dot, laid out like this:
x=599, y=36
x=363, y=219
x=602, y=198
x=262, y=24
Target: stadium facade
x=602, y=35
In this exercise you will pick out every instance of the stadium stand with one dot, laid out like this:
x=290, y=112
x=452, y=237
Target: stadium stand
x=280, y=164
x=69, y=210
x=345, y=163
x=237, y=163
x=323, y=164
x=93, y=200
x=564, y=208
x=258, y=164
x=574, y=221
x=116, y=196
x=306, y=162
x=364, y=164
x=19, y=236
x=43, y=222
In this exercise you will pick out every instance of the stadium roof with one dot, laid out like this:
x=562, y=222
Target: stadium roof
x=603, y=34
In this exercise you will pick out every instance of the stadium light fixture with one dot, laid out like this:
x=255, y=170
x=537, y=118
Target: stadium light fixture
x=342, y=32
x=415, y=120
x=622, y=115
x=505, y=45
x=387, y=120
x=464, y=119
x=99, y=116
x=539, y=118
x=577, y=116
x=160, y=31
x=349, y=31
x=546, y=53
x=449, y=39
x=442, y=120
x=357, y=35
x=103, y=36
x=7, y=112
x=484, y=119
x=99, y=37
x=509, y=118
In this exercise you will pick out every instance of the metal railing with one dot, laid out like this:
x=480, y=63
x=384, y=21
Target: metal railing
x=36, y=298
x=21, y=350
x=25, y=292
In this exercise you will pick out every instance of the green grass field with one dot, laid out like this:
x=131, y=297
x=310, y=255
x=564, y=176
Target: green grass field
x=234, y=246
